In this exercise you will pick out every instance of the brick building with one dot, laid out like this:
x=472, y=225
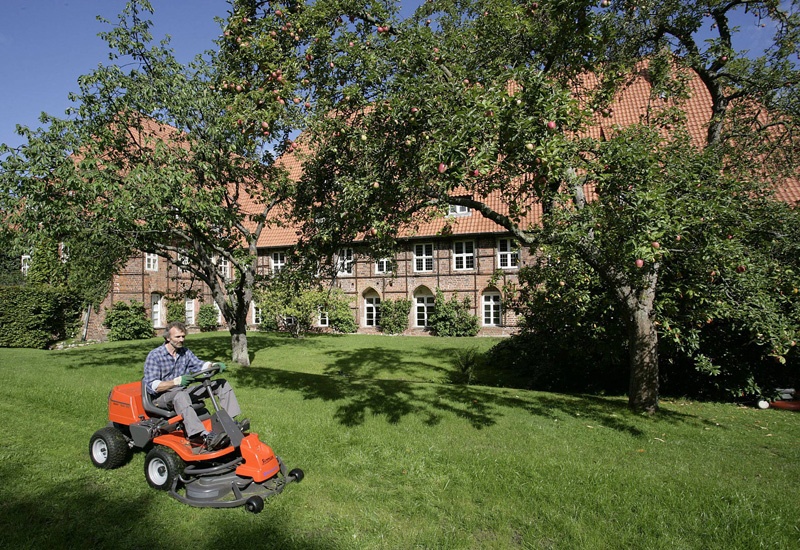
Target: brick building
x=461, y=253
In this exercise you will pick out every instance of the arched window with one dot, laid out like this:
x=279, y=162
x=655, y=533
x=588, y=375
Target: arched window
x=156, y=309
x=423, y=306
x=372, y=309
x=492, y=309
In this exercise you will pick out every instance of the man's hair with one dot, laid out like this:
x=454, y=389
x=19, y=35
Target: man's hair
x=174, y=324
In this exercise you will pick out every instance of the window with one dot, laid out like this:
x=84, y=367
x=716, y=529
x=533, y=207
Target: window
x=258, y=314
x=25, y=264
x=189, y=311
x=219, y=313
x=322, y=319
x=155, y=310
x=372, y=311
x=383, y=266
x=492, y=309
x=64, y=253
x=344, y=261
x=278, y=261
x=182, y=262
x=424, y=309
x=458, y=210
x=423, y=257
x=464, y=255
x=224, y=268
x=507, y=254
x=150, y=262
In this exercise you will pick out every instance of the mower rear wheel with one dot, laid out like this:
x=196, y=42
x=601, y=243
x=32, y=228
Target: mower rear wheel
x=108, y=448
x=162, y=466
x=297, y=474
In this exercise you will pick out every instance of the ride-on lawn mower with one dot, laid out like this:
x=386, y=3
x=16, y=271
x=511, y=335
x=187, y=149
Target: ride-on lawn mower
x=243, y=473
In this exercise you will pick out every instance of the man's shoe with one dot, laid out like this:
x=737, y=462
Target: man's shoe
x=244, y=424
x=215, y=440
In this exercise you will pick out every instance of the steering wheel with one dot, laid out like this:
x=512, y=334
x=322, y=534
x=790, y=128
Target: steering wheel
x=206, y=374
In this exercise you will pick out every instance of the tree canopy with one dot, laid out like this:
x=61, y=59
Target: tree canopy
x=468, y=101
x=151, y=158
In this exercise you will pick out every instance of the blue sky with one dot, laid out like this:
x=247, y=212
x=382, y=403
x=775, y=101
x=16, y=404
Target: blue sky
x=45, y=45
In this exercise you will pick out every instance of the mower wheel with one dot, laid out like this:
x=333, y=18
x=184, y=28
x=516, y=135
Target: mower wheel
x=254, y=504
x=162, y=466
x=297, y=474
x=108, y=448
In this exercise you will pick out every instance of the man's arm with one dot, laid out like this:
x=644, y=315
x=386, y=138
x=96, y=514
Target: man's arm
x=154, y=370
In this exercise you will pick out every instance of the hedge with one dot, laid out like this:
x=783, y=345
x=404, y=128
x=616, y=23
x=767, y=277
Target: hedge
x=36, y=316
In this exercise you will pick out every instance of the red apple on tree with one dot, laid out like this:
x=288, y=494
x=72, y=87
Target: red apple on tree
x=639, y=263
x=442, y=168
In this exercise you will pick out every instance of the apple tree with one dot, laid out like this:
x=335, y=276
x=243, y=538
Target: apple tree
x=153, y=158
x=466, y=100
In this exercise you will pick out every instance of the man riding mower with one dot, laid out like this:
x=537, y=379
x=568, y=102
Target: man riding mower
x=244, y=472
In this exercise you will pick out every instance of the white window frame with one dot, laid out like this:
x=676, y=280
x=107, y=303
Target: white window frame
x=322, y=318
x=384, y=266
x=25, y=264
x=182, y=261
x=372, y=311
x=64, y=253
x=277, y=261
x=219, y=314
x=492, y=309
x=457, y=210
x=423, y=307
x=258, y=314
x=423, y=260
x=188, y=311
x=465, y=256
x=156, y=309
x=150, y=262
x=507, y=253
x=224, y=268
x=344, y=261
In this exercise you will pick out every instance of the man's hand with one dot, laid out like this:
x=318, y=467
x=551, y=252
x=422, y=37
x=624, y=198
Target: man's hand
x=184, y=380
x=220, y=366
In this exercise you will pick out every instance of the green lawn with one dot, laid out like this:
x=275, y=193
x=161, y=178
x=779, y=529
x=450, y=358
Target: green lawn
x=397, y=457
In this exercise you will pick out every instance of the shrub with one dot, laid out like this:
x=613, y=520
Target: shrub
x=452, y=318
x=176, y=311
x=394, y=315
x=128, y=321
x=467, y=361
x=207, y=318
x=34, y=316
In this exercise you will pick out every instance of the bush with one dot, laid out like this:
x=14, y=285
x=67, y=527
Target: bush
x=176, y=311
x=207, y=318
x=394, y=315
x=452, y=318
x=467, y=361
x=35, y=316
x=128, y=321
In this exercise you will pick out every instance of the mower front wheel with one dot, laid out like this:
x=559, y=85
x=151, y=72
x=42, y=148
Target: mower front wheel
x=254, y=504
x=108, y=448
x=162, y=466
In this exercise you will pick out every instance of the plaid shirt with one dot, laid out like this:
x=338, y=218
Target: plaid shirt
x=161, y=366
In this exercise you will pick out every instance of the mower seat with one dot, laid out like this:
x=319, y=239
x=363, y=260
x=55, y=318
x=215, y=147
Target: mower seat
x=154, y=410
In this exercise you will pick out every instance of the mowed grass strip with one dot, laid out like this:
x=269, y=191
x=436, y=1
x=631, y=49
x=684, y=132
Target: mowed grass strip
x=396, y=456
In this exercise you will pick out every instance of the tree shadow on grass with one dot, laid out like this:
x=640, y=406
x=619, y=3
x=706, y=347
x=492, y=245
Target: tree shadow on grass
x=480, y=406
x=212, y=346
x=86, y=514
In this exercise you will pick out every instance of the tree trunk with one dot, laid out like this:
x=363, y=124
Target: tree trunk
x=239, y=346
x=643, y=347
x=238, y=330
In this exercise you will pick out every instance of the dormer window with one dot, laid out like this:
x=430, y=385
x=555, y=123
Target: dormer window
x=458, y=210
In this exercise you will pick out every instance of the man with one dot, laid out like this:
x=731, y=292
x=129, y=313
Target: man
x=167, y=373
